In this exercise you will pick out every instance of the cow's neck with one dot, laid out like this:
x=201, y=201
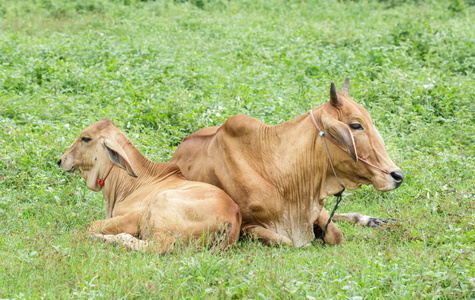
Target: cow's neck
x=295, y=149
x=120, y=184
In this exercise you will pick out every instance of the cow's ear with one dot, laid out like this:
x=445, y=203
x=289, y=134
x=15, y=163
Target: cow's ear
x=118, y=156
x=341, y=132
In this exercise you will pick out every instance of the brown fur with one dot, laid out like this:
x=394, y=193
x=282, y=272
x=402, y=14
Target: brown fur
x=148, y=200
x=280, y=175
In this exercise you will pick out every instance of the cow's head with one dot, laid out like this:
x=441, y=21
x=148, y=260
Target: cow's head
x=351, y=125
x=95, y=151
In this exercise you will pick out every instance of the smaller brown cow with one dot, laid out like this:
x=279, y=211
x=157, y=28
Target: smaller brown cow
x=148, y=200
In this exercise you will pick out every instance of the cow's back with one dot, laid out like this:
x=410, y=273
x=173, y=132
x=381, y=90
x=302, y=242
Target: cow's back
x=199, y=153
x=192, y=155
x=204, y=132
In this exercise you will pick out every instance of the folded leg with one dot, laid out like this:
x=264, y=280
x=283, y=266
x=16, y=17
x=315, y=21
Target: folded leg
x=268, y=237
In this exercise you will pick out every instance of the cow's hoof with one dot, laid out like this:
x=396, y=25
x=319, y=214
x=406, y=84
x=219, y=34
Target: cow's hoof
x=376, y=222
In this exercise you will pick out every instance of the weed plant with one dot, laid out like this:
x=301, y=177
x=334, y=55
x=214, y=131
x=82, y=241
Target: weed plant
x=164, y=69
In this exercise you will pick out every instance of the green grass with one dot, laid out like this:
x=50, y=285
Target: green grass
x=163, y=69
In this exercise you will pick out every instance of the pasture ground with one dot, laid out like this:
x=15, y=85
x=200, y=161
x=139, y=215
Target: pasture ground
x=163, y=69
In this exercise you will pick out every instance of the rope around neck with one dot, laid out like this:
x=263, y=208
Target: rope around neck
x=339, y=196
x=101, y=182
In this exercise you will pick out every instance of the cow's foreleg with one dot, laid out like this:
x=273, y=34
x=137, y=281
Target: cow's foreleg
x=362, y=220
x=124, y=239
x=121, y=224
x=333, y=235
x=163, y=243
x=268, y=237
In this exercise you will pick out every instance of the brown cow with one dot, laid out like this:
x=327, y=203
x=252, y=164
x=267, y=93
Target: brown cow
x=150, y=200
x=280, y=175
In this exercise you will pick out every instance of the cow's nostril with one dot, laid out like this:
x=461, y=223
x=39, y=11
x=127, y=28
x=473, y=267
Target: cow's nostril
x=59, y=162
x=398, y=177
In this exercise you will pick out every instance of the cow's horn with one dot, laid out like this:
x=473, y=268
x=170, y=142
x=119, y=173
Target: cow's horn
x=346, y=86
x=333, y=95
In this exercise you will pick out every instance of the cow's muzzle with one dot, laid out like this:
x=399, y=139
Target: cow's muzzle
x=398, y=177
x=60, y=161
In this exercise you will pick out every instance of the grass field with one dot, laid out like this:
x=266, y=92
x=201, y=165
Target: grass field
x=163, y=69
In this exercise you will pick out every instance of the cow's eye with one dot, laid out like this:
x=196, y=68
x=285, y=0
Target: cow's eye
x=85, y=139
x=356, y=126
